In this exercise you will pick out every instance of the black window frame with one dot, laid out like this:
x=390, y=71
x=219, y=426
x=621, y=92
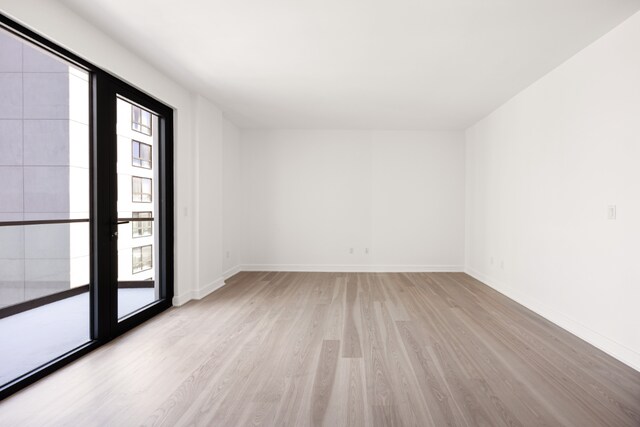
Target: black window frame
x=103, y=288
x=134, y=158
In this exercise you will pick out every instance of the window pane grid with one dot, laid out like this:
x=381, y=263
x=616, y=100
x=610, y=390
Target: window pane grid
x=141, y=189
x=141, y=258
x=140, y=154
x=140, y=120
x=141, y=228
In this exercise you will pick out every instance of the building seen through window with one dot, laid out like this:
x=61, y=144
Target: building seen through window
x=140, y=120
x=141, y=189
x=137, y=201
x=142, y=258
x=141, y=228
x=141, y=154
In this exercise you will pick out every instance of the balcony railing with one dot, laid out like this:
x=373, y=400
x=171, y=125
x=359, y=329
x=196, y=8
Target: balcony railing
x=20, y=307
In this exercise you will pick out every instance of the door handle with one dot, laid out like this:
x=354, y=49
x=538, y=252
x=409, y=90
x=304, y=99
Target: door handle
x=114, y=233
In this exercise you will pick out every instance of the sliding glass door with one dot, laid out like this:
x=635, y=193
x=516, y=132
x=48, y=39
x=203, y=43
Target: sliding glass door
x=86, y=207
x=138, y=206
x=44, y=207
x=135, y=216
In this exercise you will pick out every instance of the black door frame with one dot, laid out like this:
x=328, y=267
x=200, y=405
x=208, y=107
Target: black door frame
x=106, y=224
x=104, y=324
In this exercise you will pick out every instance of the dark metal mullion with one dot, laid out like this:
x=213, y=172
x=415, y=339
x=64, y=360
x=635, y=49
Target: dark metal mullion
x=93, y=152
x=112, y=162
x=162, y=202
x=165, y=181
x=104, y=116
x=42, y=222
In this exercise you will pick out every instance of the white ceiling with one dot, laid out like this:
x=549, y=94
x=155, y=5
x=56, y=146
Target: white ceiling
x=383, y=64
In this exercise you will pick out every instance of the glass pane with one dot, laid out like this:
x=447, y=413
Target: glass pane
x=141, y=228
x=146, y=119
x=145, y=156
x=135, y=149
x=137, y=240
x=141, y=120
x=146, y=189
x=44, y=171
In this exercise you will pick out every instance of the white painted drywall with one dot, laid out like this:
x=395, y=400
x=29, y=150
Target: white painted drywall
x=310, y=196
x=194, y=116
x=541, y=171
x=208, y=129
x=231, y=178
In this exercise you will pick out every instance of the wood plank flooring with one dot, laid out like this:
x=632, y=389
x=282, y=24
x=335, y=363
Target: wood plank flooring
x=339, y=349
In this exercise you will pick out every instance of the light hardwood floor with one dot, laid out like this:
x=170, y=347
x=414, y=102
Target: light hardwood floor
x=339, y=349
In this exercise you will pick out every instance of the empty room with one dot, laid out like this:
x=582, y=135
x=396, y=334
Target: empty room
x=320, y=213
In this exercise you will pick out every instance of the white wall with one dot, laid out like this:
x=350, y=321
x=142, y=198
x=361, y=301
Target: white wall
x=64, y=27
x=208, y=126
x=541, y=171
x=310, y=196
x=231, y=189
x=217, y=210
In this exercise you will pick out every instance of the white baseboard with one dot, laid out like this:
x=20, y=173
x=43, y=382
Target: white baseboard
x=198, y=293
x=206, y=290
x=619, y=351
x=231, y=272
x=179, y=300
x=340, y=268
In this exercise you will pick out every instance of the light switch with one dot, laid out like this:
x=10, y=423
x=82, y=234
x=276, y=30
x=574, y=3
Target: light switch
x=611, y=212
